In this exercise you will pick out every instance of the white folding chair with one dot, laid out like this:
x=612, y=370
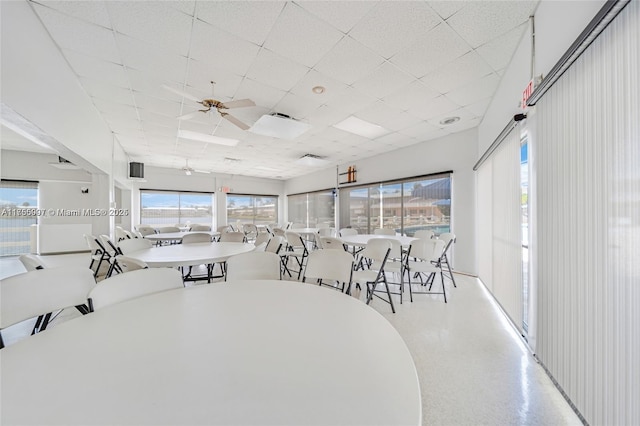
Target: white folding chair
x=262, y=237
x=395, y=264
x=250, y=231
x=198, y=227
x=331, y=243
x=232, y=237
x=113, y=252
x=332, y=265
x=254, y=265
x=146, y=230
x=135, y=244
x=98, y=253
x=195, y=238
x=275, y=244
x=133, y=284
x=30, y=262
x=168, y=229
x=370, y=269
x=42, y=291
x=424, y=259
x=128, y=264
x=425, y=234
x=296, y=249
x=449, y=240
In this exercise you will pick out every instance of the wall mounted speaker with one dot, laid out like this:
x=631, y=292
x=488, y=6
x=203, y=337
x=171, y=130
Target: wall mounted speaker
x=136, y=170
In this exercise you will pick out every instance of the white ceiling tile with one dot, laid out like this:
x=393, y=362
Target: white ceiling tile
x=348, y=61
x=263, y=95
x=157, y=64
x=428, y=53
x=350, y=100
x=411, y=96
x=499, y=51
x=319, y=37
x=155, y=22
x=89, y=11
x=419, y=131
x=464, y=115
x=314, y=78
x=184, y=6
x=221, y=49
x=433, y=107
x=390, y=26
x=341, y=14
x=447, y=8
x=276, y=71
x=479, y=22
x=158, y=106
x=151, y=117
x=479, y=108
x=157, y=130
x=97, y=69
x=143, y=83
x=296, y=106
x=396, y=139
x=74, y=34
x=384, y=80
x=201, y=74
x=475, y=91
x=116, y=109
x=108, y=92
x=457, y=73
x=251, y=21
x=326, y=116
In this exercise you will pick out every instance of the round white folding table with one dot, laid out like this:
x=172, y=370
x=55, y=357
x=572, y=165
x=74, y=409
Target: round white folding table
x=245, y=352
x=189, y=254
x=177, y=236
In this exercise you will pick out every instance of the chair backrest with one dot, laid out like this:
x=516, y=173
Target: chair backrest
x=167, y=229
x=197, y=237
x=254, y=265
x=294, y=239
x=384, y=231
x=135, y=244
x=274, y=244
x=279, y=232
x=262, y=237
x=424, y=233
x=329, y=265
x=146, y=230
x=331, y=243
x=108, y=245
x=120, y=233
x=396, y=248
x=427, y=250
x=232, y=237
x=129, y=264
x=198, y=227
x=133, y=284
x=448, y=238
x=37, y=292
x=327, y=232
x=377, y=249
x=348, y=231
x=93, y=244
x=224, y=228
x=296, y=226
x=30, y=262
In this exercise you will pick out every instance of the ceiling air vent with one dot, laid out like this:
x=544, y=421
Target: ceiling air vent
x=312, y=160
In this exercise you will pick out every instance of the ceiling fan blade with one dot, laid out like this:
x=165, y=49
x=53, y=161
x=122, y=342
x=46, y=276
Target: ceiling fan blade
x=240, y=103
x=188, y=116
x=234, y=120
x=181, y=93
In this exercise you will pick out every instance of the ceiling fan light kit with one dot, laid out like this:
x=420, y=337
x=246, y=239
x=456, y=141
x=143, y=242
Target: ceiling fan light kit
x=279, y=126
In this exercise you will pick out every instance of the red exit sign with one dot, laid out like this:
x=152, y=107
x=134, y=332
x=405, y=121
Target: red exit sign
x=526, y=93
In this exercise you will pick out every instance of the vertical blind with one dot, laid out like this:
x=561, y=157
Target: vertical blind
x=587, y=151
x=499, y=226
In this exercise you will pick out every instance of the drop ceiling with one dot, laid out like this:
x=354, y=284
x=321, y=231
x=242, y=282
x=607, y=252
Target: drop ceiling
x=403, y=66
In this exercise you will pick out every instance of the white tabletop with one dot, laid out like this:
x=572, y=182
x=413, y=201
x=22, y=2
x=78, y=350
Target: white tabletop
x=177, y=236
x=246, y=352
x=189, y=254
x=304, y=231
x=361, y=240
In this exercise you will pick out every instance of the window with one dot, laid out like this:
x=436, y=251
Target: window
x=166, y=208
x=405, y=206
x=524, y=210
x=313, y=208
x=256, y=209
x=18, y=211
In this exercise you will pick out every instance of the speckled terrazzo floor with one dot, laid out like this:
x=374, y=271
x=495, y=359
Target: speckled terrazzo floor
x=473, y=369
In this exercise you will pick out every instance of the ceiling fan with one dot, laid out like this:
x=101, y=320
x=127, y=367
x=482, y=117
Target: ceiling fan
x=189, y=170
x=211, y=103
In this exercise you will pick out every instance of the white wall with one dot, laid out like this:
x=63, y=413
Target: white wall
x=35, y=166
x=457, y=152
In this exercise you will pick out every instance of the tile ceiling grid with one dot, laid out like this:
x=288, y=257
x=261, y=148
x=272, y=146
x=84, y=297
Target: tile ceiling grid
x=373, y=67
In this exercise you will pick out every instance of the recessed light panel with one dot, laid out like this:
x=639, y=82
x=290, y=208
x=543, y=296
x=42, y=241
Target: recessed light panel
x=360, y=127
x=279, y=126
x=203, y=137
